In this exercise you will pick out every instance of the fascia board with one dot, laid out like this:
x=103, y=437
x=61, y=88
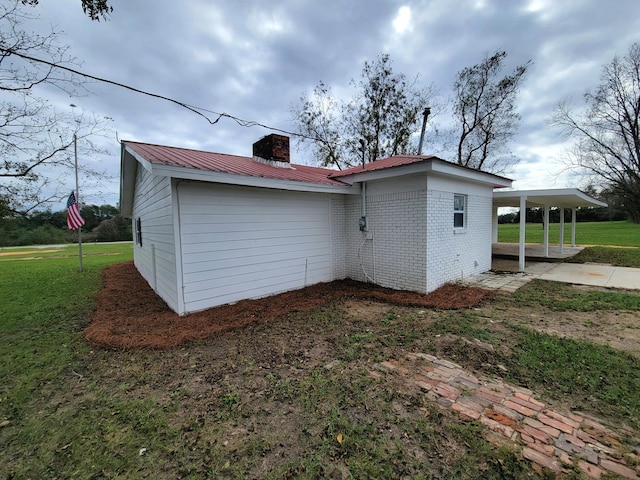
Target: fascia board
x=559, y=197
x=476, y=176
x=432, y=166
x=249, y=181
x=128, y=170
x=145, y=163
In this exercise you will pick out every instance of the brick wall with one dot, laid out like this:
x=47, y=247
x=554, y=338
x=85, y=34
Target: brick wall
x=411, y=243
x=455, y=255
x=392, y=252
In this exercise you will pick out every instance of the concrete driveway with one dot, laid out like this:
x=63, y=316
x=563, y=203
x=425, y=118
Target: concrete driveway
x=594, y=274
x=504, y=275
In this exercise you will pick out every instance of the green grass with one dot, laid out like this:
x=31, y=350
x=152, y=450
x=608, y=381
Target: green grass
x=44, y=302
x=587, y=233
x=596, y=377
x=620, y=257
x=562, y=297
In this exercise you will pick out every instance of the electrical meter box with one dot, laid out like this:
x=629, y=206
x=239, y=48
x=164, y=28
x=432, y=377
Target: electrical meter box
x=362, y=223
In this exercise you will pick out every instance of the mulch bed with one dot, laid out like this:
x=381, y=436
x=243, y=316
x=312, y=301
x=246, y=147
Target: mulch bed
x=129, y=314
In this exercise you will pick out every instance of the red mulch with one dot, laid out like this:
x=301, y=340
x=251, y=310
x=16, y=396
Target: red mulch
x=130, y=315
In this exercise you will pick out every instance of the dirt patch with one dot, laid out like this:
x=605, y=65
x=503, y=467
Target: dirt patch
x=130, y=315
x=617, y=329
x=29, y=252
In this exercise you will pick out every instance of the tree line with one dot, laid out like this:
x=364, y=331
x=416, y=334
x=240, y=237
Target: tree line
x=588, y=214
x=103, y=223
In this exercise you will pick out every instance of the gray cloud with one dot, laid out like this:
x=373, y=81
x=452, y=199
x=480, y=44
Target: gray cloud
x=253, y=59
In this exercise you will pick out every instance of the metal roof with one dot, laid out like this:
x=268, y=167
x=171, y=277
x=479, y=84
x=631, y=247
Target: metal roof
x=201, y=165
x=395, y=161
x=559, y=197
x=415, y=164
x=231, y=164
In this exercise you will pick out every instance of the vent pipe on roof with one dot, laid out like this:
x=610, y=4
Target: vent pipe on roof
x=426, y=113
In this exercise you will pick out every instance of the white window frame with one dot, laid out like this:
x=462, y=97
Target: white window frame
x=459, y=211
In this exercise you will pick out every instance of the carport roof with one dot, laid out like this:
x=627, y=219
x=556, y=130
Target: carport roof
x=560, y=197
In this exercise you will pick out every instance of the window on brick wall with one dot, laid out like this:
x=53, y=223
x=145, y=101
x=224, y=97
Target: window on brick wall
x=459, y=205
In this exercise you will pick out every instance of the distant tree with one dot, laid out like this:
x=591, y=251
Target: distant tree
x=607, y=131
x=384, y=114
x=34, y=136
x=117, y=228
x=94, y=9
x=485, y=113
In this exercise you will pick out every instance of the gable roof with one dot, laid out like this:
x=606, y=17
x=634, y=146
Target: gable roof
x=189, y=164
x=395, y=161
x=409, y=164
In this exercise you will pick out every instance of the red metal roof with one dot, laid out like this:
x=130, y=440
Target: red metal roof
x=395, y=161
x=233, y=164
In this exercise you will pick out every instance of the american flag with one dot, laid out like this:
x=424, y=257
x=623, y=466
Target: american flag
x=74, y=220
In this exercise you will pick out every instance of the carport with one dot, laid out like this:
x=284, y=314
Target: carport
x=563, y=198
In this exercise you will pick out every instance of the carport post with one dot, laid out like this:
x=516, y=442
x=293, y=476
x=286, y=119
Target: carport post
x=545, y=220
x=561, y=229
x=574, y=213
x=523, y=223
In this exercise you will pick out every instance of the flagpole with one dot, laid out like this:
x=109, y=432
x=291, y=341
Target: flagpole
x=75, y=151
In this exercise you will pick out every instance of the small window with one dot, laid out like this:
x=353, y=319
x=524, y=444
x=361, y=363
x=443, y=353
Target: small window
x=139, y=231
x=459, y=204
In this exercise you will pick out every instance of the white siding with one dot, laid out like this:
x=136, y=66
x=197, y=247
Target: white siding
x=339, y=236
x=241, y=242
x=155, y=260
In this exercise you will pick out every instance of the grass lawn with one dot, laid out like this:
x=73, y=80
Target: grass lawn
x=294, y=398
x=587, y=233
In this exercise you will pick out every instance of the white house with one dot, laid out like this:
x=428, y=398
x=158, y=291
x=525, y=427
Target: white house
x=212, y=229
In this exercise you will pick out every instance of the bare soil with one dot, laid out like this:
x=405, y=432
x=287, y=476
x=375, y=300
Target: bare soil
x=620, y=330
x=232, y=380
x=130, y=315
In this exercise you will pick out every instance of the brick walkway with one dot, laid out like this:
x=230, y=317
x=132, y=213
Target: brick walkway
x=548, y=438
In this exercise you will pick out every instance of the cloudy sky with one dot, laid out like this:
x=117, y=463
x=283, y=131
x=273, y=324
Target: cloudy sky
x=253, y=60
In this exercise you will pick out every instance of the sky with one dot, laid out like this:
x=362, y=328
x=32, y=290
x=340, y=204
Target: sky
x=254, y=59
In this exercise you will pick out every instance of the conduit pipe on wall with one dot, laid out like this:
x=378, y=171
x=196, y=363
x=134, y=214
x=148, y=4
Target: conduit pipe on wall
x=363, y=192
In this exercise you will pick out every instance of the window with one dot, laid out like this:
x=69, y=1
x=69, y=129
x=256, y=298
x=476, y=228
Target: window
x=138, y=231
x=459, y=204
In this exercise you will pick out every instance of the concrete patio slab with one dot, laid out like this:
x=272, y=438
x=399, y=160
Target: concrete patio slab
x=594, y=274
x=504, y=275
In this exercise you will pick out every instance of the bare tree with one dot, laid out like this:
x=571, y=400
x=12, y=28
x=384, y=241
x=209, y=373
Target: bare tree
x=484, y=109
x=34, y=136
x=384, y=114
x=94, y=9
x=319, y=121
x=607, y=131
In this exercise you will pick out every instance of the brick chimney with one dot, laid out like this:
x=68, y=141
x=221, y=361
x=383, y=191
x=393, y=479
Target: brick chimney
x=272, y=150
